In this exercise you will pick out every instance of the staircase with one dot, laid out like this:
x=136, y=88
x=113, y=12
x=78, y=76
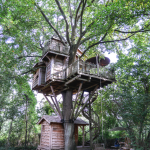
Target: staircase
x=94, y=119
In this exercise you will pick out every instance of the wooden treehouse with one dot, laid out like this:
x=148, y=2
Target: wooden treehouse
x=52, y=132
x=53, y=75
x=53, y=71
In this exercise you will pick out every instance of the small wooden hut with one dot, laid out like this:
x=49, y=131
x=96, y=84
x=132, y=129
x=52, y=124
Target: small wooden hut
x=39, y=76
x=52, y=132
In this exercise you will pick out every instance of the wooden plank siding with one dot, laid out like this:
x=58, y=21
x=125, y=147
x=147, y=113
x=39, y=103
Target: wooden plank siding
x=52, y=132
x=45, y=135
x=38, y=78
x=42, y=76
x=48, y=71
x=57, y=136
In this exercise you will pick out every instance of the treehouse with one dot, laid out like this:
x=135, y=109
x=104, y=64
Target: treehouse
x=52, y=132
x=39, y=76
x=54, y=71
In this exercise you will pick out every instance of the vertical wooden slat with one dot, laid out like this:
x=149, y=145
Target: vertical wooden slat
x=41, y=135
x=50, y=138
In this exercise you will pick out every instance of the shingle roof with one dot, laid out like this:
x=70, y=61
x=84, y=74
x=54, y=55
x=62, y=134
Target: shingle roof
x=56, y=119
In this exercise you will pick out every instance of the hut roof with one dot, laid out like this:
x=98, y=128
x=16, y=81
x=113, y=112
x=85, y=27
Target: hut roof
x=56, y=119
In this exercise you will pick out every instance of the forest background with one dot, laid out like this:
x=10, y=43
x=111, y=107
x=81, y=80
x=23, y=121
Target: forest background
x=111, y=26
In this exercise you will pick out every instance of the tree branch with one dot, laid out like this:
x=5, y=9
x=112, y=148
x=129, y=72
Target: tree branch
x=64, y=16
x=83, y=33
x=102, y=42
x=132, y=31
x=76, y=17
x=91, y=3
x=70, y=14
x=83, y=6
x=93, y=45
x=27, y=56
x=50, y=24
x=141, y=30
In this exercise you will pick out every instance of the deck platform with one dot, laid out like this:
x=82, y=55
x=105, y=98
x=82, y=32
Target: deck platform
x=74, y=75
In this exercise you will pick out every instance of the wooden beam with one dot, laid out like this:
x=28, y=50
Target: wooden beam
x=87, y=80
x=79, y=89
x=79, y=103
x=86, y=101
x=71, y=80
x=90, y=86
x=56, y=100
x=52, y=105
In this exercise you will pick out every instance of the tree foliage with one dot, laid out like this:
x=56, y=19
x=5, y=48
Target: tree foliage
x=95, y=26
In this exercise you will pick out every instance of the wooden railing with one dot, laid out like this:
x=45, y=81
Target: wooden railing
x=55, y=47
x=61, y=75
x=82, y=67
x=35, y=82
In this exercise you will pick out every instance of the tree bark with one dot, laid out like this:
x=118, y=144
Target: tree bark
x=68, y=124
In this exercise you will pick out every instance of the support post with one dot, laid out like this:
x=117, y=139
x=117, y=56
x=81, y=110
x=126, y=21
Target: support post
x=79, y=89
x=79, y=103
x=56, y=100
x=78, y=65
x=86, y=101
x=83, y=137
x=52, y=106
x=90, y=124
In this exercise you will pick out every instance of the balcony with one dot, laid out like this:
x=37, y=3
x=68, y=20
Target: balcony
x=84, y=68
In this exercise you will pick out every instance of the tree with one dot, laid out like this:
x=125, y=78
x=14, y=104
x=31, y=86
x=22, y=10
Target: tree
x=88, y=24
x=128, y=99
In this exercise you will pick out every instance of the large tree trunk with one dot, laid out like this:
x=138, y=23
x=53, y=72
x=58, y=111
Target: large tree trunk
x=68, y=124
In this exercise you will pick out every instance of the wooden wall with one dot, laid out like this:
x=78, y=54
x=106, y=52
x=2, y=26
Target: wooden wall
x=45, y=135
x=48, y=71
x=42, y=76
x=35, y=78
x=52, y=136
x=39, y=78
x=57, y=138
